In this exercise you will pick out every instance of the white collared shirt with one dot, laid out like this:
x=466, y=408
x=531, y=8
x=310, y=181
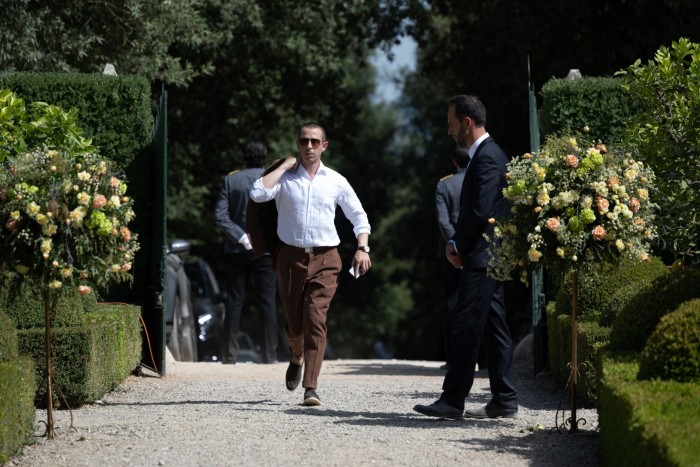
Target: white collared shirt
x=306, y=206
x=475, y=146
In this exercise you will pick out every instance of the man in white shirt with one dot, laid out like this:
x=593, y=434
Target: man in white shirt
x=306, y=194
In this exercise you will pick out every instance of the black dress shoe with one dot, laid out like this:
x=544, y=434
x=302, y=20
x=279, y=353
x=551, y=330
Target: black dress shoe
x=440, y=409
x=492, y=411
x=293, y=376
x=311, y=398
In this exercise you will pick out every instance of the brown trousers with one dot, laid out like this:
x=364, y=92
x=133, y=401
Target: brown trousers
x=307, y=282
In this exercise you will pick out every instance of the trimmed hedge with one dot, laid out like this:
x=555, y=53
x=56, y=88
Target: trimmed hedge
x=16, y=405
x=600, y=103
x=88, y=360
x=21, y=299
x=654, y=423
x=16, y=392
x=637, y=320
x=598, y=284
x=672, y=352
x=8, y=339
x=591, y=338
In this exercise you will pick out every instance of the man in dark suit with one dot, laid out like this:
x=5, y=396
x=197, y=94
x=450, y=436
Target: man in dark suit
x=480, y=306
x=230, y=214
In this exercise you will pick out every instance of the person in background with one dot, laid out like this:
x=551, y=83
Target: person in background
x=447, y=209
x=230, y=213
x=479, y=309
x=306, y=193
x=447, y=194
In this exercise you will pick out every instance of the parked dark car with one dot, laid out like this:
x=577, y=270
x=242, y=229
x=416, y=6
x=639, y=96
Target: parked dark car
x=180, y=327
x=209, y=304
x=195, y=310
x=210, y=309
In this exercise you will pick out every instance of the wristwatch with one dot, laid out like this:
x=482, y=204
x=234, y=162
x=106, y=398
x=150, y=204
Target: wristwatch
x=364, y=248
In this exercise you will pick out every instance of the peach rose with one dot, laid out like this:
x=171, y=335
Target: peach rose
x=553, y=224
x=635, y=205
x=99, y=201
x=603, y=204
x=598, y=232
x=571, y=161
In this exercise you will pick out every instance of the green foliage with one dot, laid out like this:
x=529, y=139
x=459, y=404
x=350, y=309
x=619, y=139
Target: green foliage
x=637, y=320
x=555, y=37
x=21, y=299
x=620, y=298
x=601, y=104
x=667, y=137
x=138, y=36
x=16, y=405
x=8, y=338
x=672, y=352
x=646, y=422
x=114, y=112
x=42, y=125
x=599, y=283
x=88, y=360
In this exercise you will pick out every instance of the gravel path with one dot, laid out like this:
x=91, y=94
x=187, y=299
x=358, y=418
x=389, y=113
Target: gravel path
x=208, y=414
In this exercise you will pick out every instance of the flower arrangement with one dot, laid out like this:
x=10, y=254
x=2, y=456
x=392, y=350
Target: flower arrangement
x=64, y=218
x=573, y=201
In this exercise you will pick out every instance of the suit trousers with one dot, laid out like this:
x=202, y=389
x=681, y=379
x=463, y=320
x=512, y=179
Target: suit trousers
x=451, y=276
x=479, y=311
x=307, y=281
x=239, y=268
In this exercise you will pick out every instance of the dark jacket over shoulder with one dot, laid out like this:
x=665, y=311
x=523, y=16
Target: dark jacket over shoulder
x=481, y=199
x=231, y=206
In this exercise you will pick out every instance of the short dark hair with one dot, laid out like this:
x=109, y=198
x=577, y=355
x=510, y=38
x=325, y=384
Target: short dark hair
x=312, y=125
x=460, y=156
x=255, y=154
x=469, y=106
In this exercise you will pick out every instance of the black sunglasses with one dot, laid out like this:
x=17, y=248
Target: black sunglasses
x=315, y=143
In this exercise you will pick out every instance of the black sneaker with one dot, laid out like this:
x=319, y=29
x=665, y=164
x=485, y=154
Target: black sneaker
x=311, y=398
x=293, y=376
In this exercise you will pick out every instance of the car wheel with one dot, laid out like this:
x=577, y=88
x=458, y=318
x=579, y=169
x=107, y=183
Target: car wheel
x=186, y=332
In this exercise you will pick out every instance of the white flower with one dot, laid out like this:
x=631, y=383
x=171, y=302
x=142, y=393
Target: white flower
x=84, y=176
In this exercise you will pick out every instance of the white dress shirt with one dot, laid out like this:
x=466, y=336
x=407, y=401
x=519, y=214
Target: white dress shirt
x=306, y=206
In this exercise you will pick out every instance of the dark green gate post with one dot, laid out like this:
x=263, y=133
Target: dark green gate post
x=154, y=315
x=539, y=329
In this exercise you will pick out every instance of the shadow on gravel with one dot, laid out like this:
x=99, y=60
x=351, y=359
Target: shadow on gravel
x=542, y=448
x=389, y=369
x=193, y=402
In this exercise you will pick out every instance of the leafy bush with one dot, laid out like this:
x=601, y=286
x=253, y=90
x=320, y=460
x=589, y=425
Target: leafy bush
x=673, y=349
x=637, y=320
x=599, y=283
x=667, y=138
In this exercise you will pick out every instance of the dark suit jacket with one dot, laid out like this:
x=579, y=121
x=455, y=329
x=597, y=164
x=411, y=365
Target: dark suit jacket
x=261, y=221
x=481, y=199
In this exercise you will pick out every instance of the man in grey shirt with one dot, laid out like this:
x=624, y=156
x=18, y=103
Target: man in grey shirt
x=240, y=266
